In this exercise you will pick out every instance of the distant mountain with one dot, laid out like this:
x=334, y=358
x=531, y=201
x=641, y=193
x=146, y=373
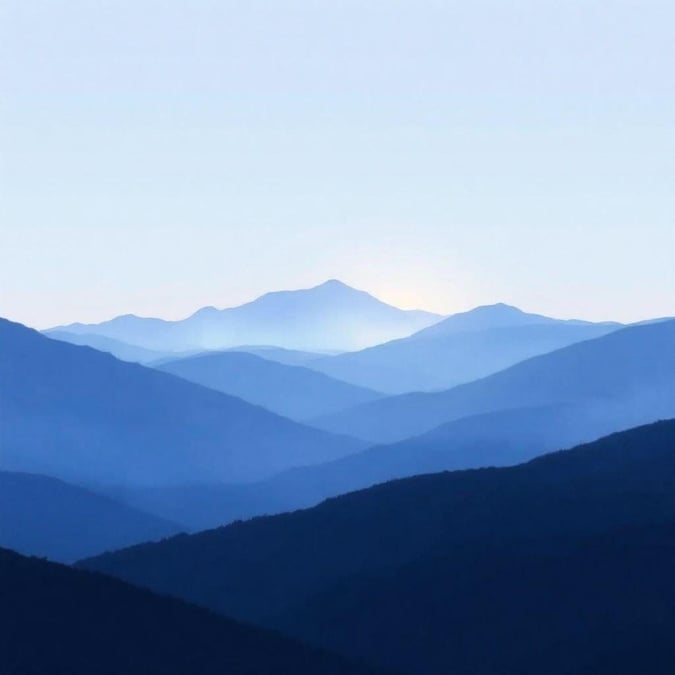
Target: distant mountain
x=501, y=438
x=81, y=415
x=47, y=517
x=499, y=315
x=57, y=620
x=120, y=350
x=459, y=349
x=292, y=391
x=633, y=369
x=329, y=317
x=291, y=357
x=561, y=565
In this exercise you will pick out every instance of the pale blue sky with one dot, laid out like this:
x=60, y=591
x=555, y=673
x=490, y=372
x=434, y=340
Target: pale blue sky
x=161, y=155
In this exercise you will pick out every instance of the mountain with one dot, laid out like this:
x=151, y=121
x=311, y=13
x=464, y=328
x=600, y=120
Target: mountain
x=120, y=350
x=329, y=317
x=501, y=438
x=47, y=517
x=292, y=391
x=499, y=315
x=459, y=349
x=598, y=604
x=81, y=415
x=291, y=357
x=57, y=621
x=630, y=370
x=558, y=565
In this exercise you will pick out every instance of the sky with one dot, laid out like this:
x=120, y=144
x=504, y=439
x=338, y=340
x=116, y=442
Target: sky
x=157, y=156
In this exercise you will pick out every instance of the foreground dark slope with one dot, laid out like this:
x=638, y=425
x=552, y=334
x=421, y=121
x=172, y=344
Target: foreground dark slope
x=59, y=621
x=600, y=604
x=292, y=391
x=84, y=416
x=633, y=369
x=461, y=348
x=47, y=517
x=267, y=568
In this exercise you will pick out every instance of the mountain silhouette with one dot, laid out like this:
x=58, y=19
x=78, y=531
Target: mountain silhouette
x=290, y=357
x=57, y=620
x=598, y=604
x=331, y=317
x=81, y=415
x=292, y=391
x=501, y=438
x=508, y=570
x=47, y=517
x=499, y=315
x=121, y=350
x=504, y=436
x=632, y=370
x=458, y=349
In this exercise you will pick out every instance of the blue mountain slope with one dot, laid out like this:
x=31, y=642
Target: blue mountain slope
x=459, y=349
x=46, y=517
x=291, y=357
x=272, y=569
x=292, y=391
x=82, y=415
x=633, y=368
x=331, y=316
x=501, y=438
x=120, y=350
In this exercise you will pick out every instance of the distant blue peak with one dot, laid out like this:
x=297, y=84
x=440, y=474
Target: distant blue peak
x=336, y=283
x=501, y=306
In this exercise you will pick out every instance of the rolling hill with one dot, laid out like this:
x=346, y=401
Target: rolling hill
x=500, y=438
x=598, y=604
x=46, y=517
x=291, y=391
x=81, y=415
x=256, y=569
x=631, y=369
x=120, y=350
x=500, y=570
x=459, y=349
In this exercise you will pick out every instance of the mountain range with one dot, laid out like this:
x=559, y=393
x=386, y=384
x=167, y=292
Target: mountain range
x=390, y=547
x=331, y=316
x=560, y=565
x=83, y=416
x=44, y=516
x=348, y=335
x=293, y=391
x=595, y=390
x=630, y=370
x=458, y=349
x=121, y=350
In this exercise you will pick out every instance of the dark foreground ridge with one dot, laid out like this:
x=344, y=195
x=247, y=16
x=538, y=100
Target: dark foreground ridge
x=60, y=621
x=558, y=566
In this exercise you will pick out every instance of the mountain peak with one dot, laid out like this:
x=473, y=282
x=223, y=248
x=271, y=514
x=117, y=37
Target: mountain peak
x=483, y=317
x=334, y=283
x=500, y=307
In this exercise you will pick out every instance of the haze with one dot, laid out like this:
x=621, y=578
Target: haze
x=162, y=156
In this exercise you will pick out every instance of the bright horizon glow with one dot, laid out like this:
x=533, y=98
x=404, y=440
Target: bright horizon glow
x=160, y=156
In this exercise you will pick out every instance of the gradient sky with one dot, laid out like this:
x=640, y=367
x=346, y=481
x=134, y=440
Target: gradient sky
x=161, y=155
